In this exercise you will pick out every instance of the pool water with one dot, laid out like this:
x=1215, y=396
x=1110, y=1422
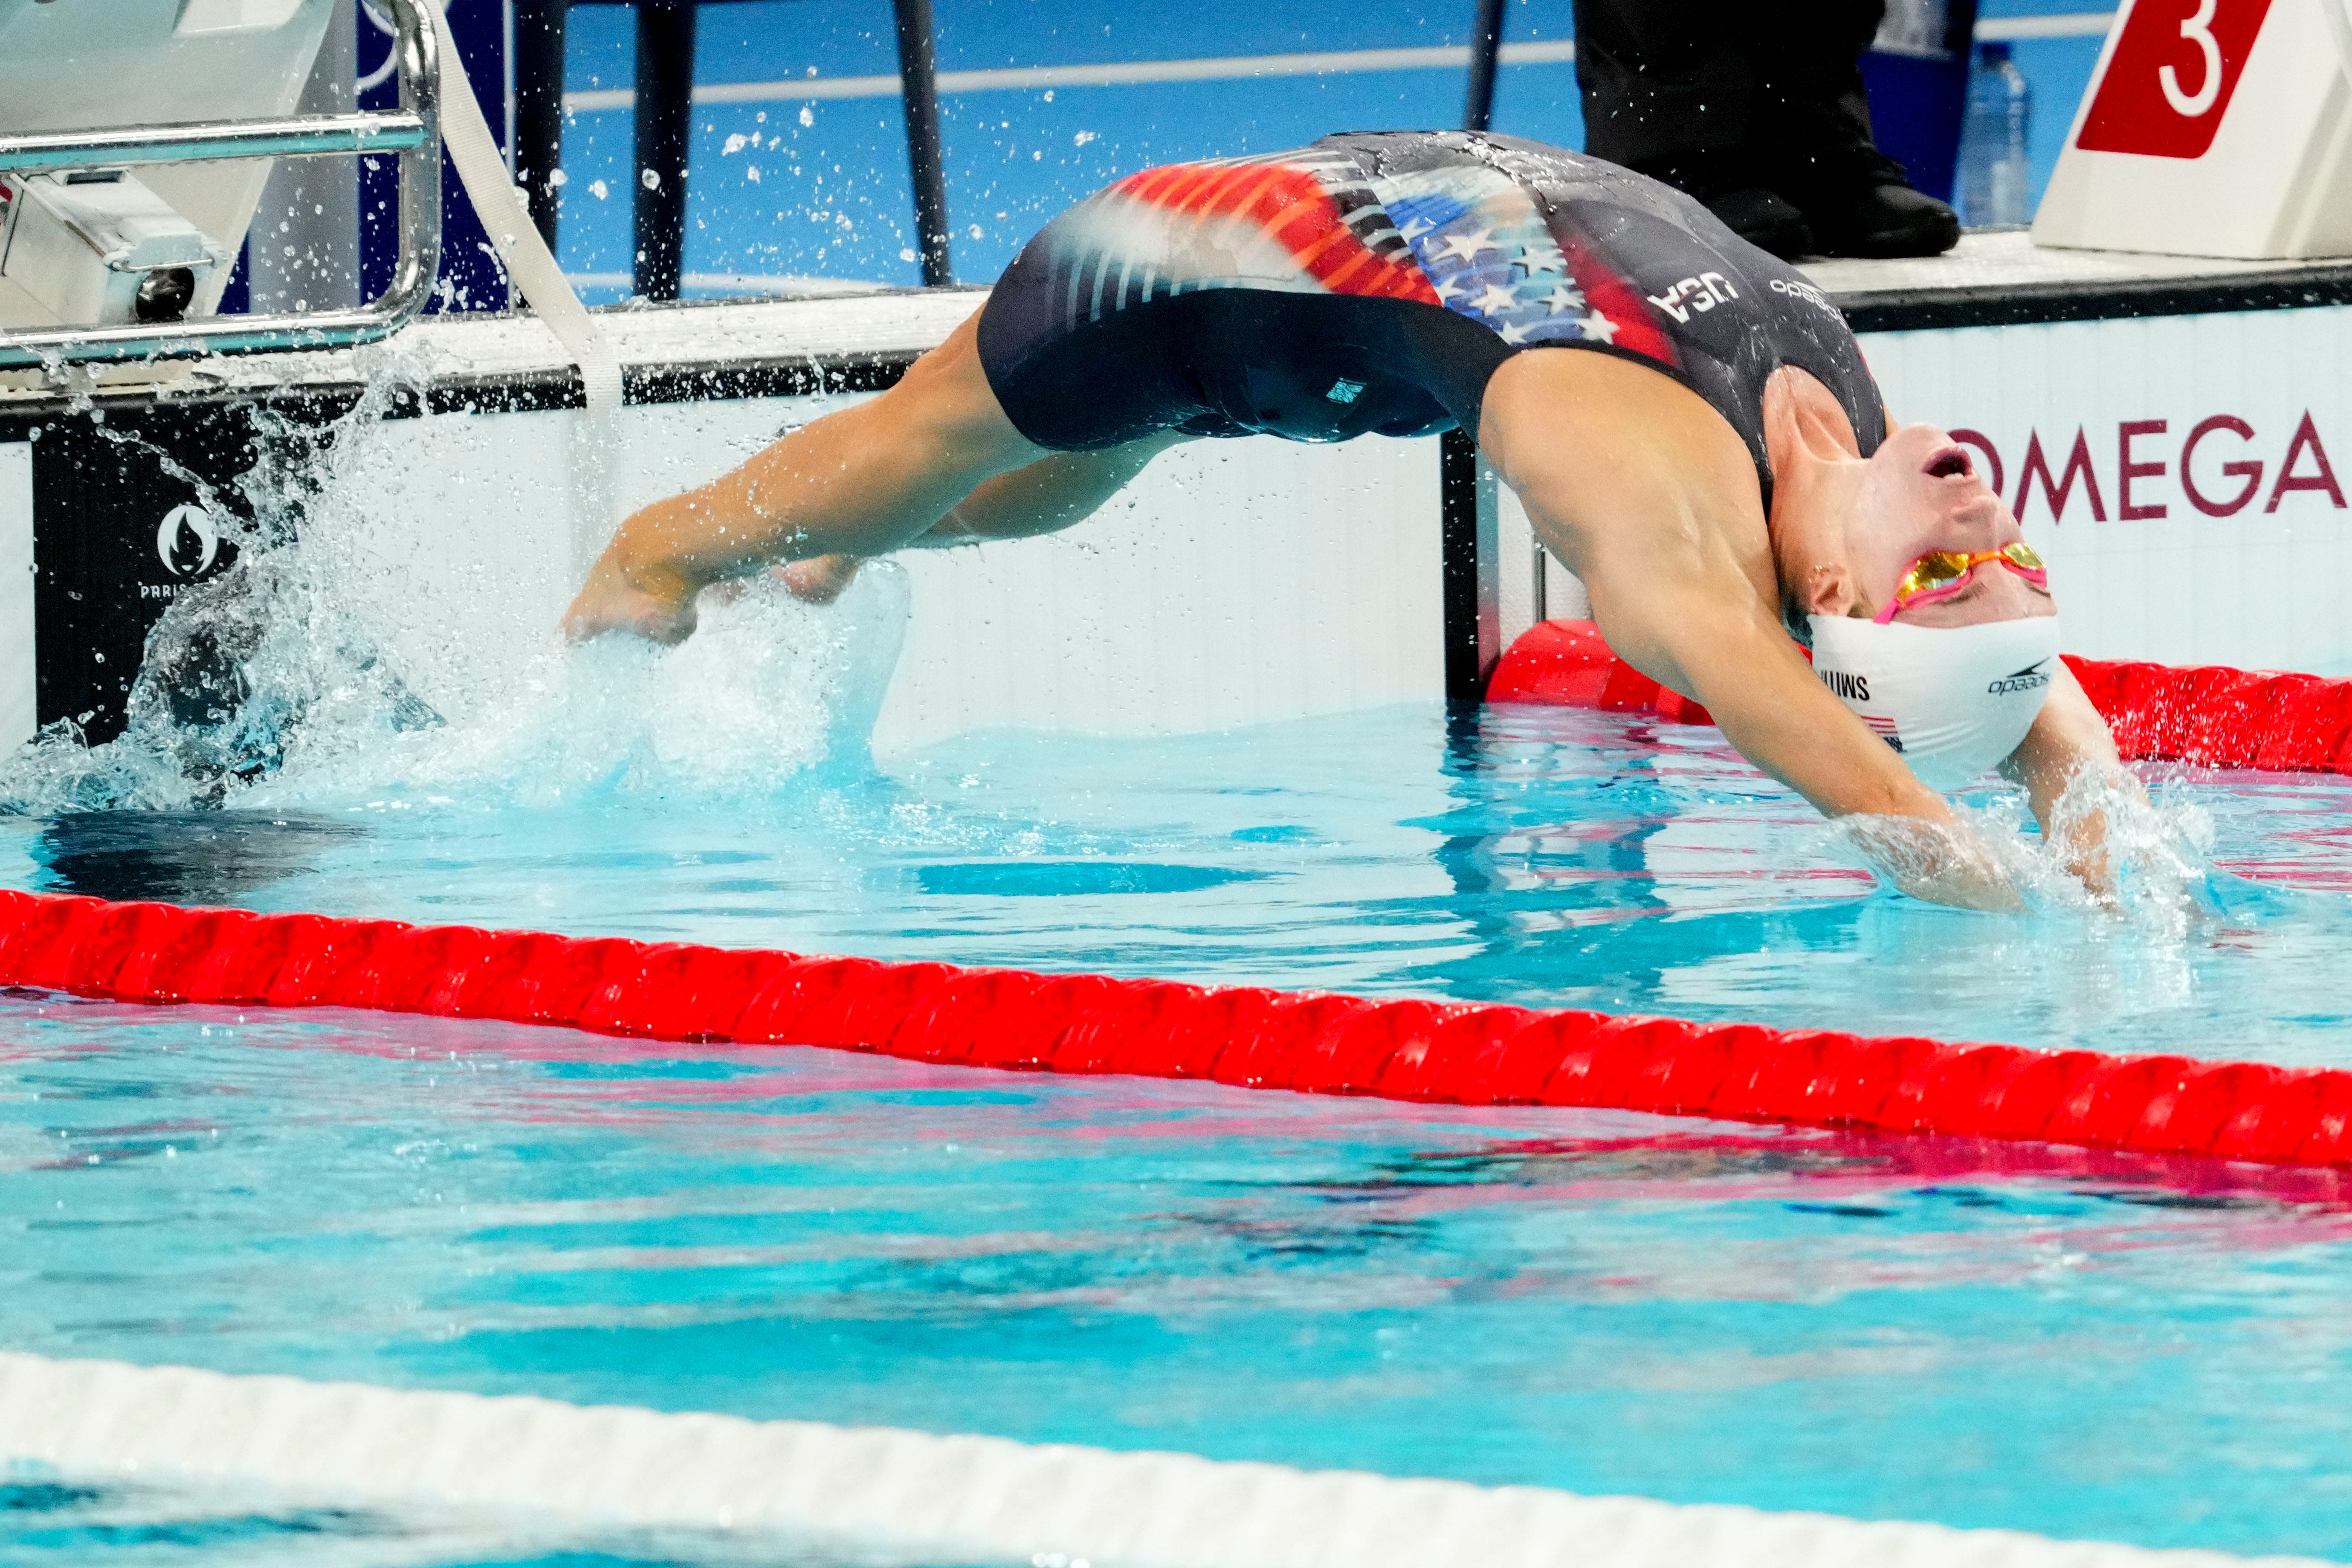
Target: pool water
x=2086, y=1346
x=2040, y=1339
x=1523, y=854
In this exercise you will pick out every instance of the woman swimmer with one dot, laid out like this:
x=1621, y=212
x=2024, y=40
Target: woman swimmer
x=1717, y=469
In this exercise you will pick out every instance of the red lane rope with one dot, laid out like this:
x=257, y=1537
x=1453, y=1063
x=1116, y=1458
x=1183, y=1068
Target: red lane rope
x=2209, y=714
x=1459, y=1053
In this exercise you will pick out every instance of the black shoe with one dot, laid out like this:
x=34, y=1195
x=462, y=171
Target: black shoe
x=1886, y=221
x=1861, y=204
x=1764, y=220
x=1726, y=184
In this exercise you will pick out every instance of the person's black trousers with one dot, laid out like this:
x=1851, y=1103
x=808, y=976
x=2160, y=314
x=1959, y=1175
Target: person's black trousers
x=1714, y=92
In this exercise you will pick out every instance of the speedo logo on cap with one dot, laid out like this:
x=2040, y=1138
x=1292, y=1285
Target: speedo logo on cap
x=2033, y=678
x=1850, y=687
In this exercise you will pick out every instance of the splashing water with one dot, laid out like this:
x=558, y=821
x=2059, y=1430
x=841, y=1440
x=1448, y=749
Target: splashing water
x=276, y=683
x=2113, y=850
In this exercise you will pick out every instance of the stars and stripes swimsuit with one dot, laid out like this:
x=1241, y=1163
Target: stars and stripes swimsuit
x=1373, y=282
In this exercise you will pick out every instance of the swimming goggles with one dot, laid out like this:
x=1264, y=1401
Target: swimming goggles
x=1940, y=573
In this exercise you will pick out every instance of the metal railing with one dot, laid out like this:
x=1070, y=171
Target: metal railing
x=413, y=132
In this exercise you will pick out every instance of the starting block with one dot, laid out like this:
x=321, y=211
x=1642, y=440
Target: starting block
x=2213, y=127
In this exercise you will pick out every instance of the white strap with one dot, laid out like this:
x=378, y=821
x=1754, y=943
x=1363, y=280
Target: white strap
x=506, y=221
x=535, y=271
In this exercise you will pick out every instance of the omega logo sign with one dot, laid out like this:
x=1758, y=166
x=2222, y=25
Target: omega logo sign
x=2220, y=466
x=179, y=524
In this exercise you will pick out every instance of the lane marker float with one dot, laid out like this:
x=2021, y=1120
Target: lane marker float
x=1312, y=1042
x=2212, y=715
x=887, y=1496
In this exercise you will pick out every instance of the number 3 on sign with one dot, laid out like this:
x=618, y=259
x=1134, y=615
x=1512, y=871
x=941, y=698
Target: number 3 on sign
x=2197, y=30
x=2167, y=86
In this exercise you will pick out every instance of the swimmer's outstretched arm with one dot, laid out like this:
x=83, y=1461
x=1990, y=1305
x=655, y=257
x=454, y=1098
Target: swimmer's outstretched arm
x=1650, y=498
x=861, y=481
x=2068, y=739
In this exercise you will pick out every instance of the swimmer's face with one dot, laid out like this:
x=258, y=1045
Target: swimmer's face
x=1922, y=492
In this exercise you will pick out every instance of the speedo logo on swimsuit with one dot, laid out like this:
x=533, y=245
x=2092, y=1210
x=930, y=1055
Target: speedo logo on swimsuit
x=2033, y=678
x=1851, y=688
x=1703, y=292
x=1805, y=292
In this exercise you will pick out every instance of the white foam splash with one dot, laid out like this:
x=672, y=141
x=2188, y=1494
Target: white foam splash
x=275, y=684
x=2114, y=851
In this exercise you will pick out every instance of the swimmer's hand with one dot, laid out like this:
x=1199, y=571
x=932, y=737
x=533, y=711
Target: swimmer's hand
x=1941, y=862
x=650, y=603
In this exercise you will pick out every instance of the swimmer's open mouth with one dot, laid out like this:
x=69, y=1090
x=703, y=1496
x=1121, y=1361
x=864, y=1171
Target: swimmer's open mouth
x=1950, y=462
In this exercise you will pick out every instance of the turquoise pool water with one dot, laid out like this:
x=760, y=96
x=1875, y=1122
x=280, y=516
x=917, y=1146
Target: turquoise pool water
x=1530, y=855
x=2027, y=1338
x=2076, y=1344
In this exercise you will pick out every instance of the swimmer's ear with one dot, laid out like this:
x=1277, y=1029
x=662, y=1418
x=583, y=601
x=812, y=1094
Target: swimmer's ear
x=1829, y=590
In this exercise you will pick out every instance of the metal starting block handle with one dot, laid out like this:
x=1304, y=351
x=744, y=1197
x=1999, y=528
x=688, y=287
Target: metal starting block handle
x=413, y=132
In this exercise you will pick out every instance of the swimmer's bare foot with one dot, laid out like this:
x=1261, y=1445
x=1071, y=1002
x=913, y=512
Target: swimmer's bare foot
x=821, y=579
x=655, y=606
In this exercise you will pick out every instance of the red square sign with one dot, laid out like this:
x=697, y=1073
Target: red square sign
x=2169, y=81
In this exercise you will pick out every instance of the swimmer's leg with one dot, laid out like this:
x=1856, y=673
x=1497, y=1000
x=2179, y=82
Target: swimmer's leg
x=863, y=481
x=1047, y=496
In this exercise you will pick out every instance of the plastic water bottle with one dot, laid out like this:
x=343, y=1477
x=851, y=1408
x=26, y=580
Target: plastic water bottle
x=1994, y=166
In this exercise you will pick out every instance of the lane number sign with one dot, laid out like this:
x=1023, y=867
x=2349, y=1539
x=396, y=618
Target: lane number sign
x=2169, y=81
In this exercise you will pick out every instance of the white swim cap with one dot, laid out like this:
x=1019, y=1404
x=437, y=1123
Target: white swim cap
x=1955, y=700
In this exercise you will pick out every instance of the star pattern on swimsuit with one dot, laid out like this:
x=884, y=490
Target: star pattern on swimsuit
x=1563, y=298
x=1416, y=228
x=1447, y=290
x=1599, y=328
x=1467, y=245
x=1495, y=298
x=1516, y=333
x=1542, y=261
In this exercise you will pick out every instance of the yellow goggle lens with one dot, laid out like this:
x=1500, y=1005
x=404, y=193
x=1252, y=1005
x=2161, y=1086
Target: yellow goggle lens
x=1941, y=568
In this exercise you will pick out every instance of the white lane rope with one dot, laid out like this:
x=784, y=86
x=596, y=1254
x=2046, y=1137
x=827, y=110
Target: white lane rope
x=1227, y=68
x=908, y=1497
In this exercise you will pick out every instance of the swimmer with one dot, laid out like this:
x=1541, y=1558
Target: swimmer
x=1716, y=465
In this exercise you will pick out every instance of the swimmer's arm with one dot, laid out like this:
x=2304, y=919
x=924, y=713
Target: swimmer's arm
x=2067, y=737
x=1765, y=698
x=1649, y=497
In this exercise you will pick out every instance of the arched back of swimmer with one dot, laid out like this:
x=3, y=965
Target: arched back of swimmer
x=1716, y=465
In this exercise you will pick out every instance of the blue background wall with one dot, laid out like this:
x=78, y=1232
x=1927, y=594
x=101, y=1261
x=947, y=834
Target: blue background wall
x=822, y=190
